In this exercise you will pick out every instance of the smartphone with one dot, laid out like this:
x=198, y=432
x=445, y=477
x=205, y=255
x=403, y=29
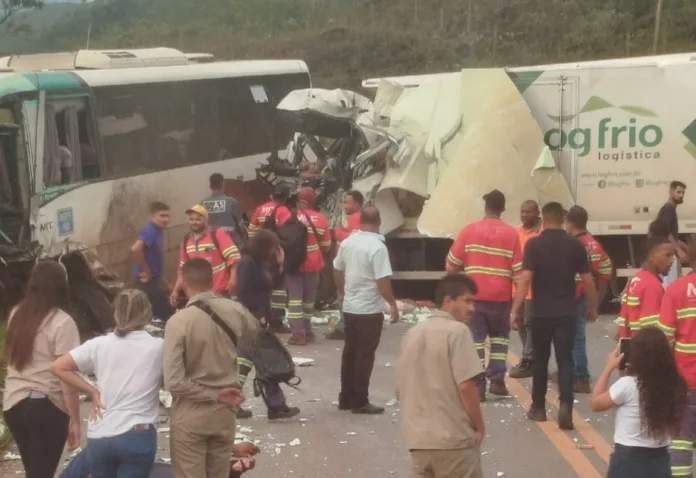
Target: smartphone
x=625, y=350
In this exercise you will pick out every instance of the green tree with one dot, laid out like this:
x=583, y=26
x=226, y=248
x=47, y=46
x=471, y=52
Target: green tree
x=9, y=7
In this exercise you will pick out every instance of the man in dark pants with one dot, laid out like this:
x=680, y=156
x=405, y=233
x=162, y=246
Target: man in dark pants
x=668, y=216
x=363, y=280
x=148, y=258
x=549, y=267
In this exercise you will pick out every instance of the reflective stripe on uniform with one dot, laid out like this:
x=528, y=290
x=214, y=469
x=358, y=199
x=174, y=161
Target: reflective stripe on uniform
x=494, y=251
x=488, y=270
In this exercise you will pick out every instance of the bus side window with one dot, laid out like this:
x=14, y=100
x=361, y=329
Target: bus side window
x=70, y=153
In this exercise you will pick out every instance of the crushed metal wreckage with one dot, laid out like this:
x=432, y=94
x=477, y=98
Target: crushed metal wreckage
x=335, y=145
x=423, y=155
x=92, y=286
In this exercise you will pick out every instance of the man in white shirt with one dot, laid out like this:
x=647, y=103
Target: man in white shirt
x=363, y=280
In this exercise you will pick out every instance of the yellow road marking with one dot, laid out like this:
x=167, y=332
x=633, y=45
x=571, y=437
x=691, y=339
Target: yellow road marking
x=587, y=431
x=559, y=438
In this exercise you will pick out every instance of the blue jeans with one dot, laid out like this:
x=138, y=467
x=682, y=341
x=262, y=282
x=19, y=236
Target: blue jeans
x=582, y=371
x=130, y=455
x=637, y=462
x=79, y=467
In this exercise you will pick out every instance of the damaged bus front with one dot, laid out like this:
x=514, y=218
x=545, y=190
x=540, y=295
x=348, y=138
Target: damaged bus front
x=22, y=106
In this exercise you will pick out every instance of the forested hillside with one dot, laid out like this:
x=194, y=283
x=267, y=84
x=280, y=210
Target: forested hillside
x=346, y=40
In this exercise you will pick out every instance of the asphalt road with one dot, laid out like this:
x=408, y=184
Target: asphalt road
x=325, y=442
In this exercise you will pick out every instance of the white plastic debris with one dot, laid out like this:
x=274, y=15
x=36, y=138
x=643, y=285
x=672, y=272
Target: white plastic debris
x=74, y=453
x=351, y=434
x=165, y=399
x=303, y=420
x=392, y=402
x=500, y=473
x=164, y=430
x=320, y=320
x=302, y=362
x=277, y=451
x=9, y=456
x=245, y=430
x=343, y=442
x=296, y=442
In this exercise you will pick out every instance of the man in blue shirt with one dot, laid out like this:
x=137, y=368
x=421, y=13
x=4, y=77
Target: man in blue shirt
x=148, y=256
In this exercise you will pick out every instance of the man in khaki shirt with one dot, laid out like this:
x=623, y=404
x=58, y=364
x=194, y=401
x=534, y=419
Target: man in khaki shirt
x=436, y=387
x=200, y=371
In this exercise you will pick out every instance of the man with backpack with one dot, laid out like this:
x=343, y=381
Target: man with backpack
x=224, y=211
x=278, y=208
x=214, y=245
x=305, y=238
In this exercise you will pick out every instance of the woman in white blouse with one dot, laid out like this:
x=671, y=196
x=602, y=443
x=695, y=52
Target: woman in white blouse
x=651, y=405
x=122, y=431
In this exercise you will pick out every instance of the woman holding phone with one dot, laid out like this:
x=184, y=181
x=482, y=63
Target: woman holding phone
x=650, y=402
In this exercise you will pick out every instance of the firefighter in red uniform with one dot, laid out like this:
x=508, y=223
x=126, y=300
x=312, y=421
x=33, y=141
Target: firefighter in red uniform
x=678, y=322
x=641, y=306
x=601, y=267
x=279, y=297
x=352, y=205
x=489, y=251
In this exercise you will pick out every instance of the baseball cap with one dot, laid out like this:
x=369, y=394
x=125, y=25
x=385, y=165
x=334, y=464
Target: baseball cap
x=495, y=199
x=307, y=195
x=198, y=209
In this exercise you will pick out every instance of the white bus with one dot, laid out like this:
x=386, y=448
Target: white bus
x=89, y=139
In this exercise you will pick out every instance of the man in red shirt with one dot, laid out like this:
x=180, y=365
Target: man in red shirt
x=489, y=252
x=302, y=285
x=352, y=205
x=678, y=322
x=279, y=296
x=531, y=226
x=214, y=245
x=643, y=296
x=601, y=268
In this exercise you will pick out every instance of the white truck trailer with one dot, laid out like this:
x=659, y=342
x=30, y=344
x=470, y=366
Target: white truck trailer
x=620, y=132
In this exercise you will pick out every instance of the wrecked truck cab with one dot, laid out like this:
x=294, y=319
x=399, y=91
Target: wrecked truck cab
x=336, y=142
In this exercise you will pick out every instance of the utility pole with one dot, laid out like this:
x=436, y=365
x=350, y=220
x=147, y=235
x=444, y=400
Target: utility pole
x=658, y=21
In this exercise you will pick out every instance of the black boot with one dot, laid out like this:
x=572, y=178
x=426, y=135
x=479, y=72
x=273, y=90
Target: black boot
x=522, y=370
x=282, y=412
x=565, y=417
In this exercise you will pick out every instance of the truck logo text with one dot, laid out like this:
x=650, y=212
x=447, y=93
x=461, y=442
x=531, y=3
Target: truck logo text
x=627, y=140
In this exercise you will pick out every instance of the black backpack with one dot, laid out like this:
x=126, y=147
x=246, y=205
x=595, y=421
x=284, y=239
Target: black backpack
x=273, y=363
x=293, y=236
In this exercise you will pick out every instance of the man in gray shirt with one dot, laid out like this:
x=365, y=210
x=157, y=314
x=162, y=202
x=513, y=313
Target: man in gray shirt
x=223, y=211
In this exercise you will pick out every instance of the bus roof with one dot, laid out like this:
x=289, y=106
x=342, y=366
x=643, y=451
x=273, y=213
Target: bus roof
x=11, y=83
x=95, y=60
x=198, y=71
